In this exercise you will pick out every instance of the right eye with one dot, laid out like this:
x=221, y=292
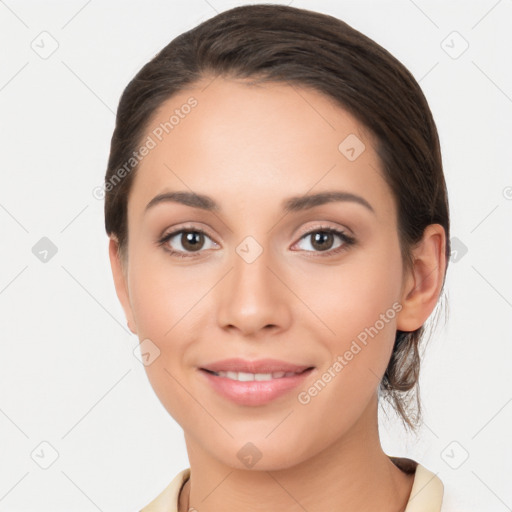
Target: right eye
x=183, y=243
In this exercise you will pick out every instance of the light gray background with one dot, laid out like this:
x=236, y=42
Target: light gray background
x=68, y=375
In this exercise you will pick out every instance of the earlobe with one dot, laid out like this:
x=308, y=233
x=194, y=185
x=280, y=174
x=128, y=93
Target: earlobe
x=424, y=281
x=121, y=282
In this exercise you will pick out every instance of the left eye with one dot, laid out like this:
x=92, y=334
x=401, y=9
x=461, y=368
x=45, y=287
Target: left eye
x=322, y=240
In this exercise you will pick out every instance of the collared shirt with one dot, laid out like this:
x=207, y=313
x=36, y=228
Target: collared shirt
x=426, y=493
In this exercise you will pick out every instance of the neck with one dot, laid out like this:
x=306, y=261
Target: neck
x=354, y=472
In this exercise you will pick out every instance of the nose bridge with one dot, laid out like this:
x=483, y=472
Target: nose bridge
x=251, y=265
x=252, y=297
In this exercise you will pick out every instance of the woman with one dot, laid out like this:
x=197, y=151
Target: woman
x=279, y=234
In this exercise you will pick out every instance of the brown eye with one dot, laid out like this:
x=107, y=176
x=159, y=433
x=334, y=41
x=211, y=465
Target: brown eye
x=323, y=240
x=186, y=242
x=192, y=240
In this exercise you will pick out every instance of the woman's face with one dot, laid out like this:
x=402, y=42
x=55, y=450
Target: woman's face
x=266, y=279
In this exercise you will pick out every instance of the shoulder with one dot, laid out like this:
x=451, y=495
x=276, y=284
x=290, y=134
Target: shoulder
x=167, y=500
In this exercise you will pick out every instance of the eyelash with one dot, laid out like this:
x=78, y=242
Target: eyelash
x=347, y=241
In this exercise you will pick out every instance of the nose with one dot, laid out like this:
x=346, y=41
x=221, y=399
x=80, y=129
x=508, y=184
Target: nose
x=252, y=298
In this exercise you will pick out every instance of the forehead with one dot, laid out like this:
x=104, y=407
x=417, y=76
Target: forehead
x=251, y=143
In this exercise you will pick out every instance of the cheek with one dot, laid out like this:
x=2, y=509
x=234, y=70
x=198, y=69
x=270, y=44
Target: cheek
x=164, y=295
x=356, y=297
x=359, y=353
x=357, y=304
x=166, y=303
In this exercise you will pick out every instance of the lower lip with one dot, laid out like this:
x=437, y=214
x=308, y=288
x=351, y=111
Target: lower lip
x=254, y=392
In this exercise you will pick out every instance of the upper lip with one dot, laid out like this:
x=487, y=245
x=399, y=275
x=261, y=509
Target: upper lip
x=257, y=366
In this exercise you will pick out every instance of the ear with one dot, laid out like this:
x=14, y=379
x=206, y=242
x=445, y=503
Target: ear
x=119, y=273
x=423, y=283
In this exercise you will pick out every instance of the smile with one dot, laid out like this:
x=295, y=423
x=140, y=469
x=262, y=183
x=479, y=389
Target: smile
x=247, y=376
x=254, y=389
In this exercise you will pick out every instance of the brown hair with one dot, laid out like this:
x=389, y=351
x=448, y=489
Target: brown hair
x=274, y=43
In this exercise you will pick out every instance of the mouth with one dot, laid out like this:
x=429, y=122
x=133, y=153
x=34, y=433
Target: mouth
x=254, y=383
x=250, y=376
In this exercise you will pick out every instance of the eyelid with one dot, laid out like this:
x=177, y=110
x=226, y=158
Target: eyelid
x=324, y=226
x=185, y=227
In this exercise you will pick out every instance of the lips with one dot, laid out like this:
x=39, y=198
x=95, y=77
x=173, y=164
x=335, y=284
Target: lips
x=260, y=366
x=254, y=383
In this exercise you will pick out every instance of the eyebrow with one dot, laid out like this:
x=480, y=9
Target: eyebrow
x=292, y=204
x=187, y=198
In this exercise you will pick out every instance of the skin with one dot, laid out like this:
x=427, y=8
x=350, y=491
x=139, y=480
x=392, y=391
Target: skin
x=249, y=148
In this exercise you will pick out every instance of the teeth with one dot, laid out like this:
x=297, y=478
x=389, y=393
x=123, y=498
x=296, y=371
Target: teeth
x=246, y=377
